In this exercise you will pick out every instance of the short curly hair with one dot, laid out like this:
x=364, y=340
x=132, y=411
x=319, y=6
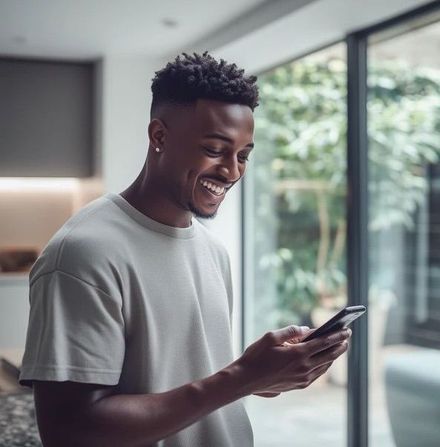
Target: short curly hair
x=189, y=78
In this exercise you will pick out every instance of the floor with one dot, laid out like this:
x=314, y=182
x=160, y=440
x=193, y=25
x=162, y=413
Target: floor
x=314, y=417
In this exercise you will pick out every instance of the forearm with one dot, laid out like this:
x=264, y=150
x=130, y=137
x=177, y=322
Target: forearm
x=139, y=420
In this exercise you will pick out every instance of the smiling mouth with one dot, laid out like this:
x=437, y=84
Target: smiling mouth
x=215, y=190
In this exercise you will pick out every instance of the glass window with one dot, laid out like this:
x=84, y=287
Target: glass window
x=404, y=235
x=295, y=235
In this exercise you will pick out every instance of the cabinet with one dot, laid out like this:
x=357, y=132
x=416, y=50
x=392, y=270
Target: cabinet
x=46, y=118
x=14, y=311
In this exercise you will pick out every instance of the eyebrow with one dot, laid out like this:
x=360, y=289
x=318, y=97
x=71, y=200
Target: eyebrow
x=219, y=136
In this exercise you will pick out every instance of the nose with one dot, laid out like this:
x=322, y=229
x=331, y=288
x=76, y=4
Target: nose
x=230, y=169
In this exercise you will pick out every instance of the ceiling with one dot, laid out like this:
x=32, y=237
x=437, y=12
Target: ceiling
x=414, y=47
x=89, y=29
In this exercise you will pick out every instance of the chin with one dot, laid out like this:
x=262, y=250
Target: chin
x=202, y=214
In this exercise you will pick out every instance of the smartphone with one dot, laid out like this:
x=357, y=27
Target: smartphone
x=341, y=320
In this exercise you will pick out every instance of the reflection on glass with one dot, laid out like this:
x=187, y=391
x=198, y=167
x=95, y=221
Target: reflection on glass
x=296, y=235
x=404, y=224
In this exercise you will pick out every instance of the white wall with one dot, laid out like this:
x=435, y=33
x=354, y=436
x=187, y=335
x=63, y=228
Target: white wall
x=126, y=98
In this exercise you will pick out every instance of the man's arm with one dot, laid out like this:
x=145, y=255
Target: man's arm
x=84, y=415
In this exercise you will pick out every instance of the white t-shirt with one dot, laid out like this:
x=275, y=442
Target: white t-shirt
x=118, y=298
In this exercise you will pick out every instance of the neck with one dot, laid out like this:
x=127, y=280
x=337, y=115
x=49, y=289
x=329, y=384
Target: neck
x=147, y=196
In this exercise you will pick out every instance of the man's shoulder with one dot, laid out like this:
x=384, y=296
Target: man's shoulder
x=83, y=243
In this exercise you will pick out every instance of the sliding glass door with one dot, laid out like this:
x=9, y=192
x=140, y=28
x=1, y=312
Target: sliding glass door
x=328, y=223
x=404, y=234
x=295, y=227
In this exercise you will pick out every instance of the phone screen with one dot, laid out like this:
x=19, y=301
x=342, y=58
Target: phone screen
x=341, y=320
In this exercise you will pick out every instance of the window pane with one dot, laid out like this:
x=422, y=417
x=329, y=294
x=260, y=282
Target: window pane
x=404, y=230
x=295, y=235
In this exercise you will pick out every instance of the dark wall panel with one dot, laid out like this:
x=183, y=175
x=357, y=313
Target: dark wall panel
x=46, y=119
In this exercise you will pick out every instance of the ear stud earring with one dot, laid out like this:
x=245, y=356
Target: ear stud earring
x=157, y=149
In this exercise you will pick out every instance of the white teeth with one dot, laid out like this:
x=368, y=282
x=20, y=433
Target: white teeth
x=217, y=189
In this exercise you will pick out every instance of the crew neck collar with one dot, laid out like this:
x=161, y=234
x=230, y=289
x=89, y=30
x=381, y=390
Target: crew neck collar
x=148, y=222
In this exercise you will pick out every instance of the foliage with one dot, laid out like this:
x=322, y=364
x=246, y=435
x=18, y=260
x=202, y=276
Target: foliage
x=298, y=175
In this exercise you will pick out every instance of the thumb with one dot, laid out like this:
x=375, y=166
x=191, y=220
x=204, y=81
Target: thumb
x=291, y=333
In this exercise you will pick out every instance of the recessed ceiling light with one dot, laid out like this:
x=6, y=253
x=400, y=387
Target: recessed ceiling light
x=169, y=23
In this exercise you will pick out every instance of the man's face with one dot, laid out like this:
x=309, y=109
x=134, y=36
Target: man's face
x=205, y=154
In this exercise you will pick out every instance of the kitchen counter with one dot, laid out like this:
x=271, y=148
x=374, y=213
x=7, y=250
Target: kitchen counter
x=14, y=311
x=18, y=426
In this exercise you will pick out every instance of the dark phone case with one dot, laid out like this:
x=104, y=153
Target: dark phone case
x=341, y=320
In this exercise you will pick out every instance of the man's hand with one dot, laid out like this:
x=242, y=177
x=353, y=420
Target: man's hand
x=280, y=362
x=301, y=332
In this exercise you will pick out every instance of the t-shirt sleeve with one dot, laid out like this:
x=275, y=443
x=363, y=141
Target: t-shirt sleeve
x=75, y=332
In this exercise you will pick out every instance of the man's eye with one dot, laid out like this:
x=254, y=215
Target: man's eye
x=212, y=152
x=245, y=158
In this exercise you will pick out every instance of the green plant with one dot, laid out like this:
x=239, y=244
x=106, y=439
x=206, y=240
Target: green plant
x=299, y=173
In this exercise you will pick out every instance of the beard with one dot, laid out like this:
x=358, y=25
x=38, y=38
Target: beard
x=198, y=213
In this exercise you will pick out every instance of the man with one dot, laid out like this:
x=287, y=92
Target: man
x=129, y=338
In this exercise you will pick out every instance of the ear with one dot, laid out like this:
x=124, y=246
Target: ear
x=157, y=132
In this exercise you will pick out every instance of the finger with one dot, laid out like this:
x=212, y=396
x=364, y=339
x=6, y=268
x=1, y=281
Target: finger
x=322, y=367
x=331, y=354
x=321, y=371
x=279, y=336
x=315, y=374
x=327, y=341
x=303, y=332
x=267, y=394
